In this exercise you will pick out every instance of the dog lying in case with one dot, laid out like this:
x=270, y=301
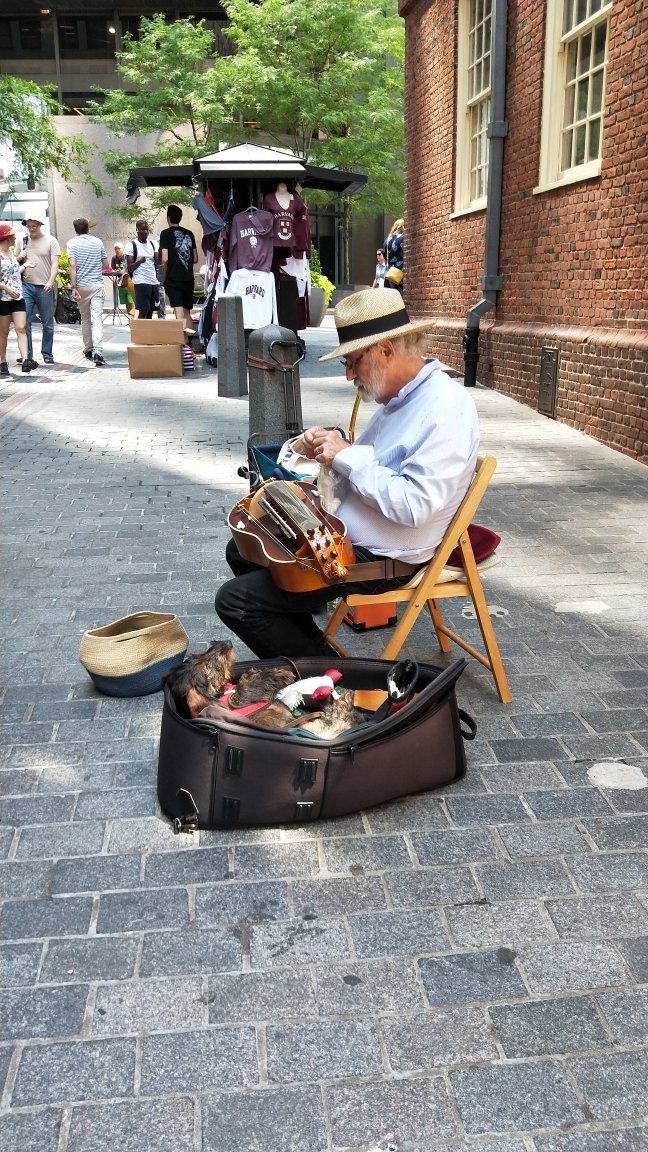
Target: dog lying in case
x=199, y=684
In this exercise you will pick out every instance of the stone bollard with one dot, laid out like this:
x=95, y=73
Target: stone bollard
x=275, y=396
x=232, y=373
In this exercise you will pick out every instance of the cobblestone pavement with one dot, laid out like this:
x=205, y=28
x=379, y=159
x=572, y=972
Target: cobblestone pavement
x=465, y=970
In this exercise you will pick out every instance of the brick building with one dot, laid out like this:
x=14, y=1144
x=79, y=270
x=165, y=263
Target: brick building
x=574, y=201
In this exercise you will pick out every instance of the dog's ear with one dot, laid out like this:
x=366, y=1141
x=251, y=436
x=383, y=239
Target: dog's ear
x=196, y=702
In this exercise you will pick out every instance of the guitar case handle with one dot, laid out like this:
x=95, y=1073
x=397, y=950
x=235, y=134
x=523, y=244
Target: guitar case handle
x=471, y=732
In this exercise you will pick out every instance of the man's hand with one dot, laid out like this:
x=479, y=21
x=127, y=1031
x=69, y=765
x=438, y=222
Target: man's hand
x=323, y=445
x=76, y=295
x=48, y=286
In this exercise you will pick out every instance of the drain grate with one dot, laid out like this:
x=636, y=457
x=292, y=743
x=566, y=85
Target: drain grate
x=549, y=363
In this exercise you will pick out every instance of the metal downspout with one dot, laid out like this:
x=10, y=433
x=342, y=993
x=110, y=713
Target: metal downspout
x=491, y=282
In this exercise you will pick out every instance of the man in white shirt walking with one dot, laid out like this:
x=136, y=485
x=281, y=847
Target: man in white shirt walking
x=406, y=475
x=43, y=252
x=142, y=257
x=88, y=258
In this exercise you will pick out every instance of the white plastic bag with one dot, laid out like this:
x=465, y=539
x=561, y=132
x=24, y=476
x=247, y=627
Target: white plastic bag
x=331, y=488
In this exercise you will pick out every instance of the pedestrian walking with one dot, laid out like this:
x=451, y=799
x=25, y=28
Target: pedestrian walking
x=395, y=255
x=39, y=279
x=178, y=256
x=126, y=288
x=88, y=257
x=12, y=303
x=381, y=268
x=141, y=257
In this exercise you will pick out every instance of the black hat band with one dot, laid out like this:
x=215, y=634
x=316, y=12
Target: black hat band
x=372, y=327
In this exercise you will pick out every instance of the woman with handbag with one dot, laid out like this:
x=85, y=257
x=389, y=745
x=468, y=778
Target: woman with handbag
x=394, y=254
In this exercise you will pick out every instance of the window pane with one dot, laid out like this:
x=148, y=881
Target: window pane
x=30, y=35
x=486, y=76
x=489, y=6
x=600, y=37
x=579, y=150
x=473, y=13
x=595, y=139
x=567, y=150
x=585, y=50
x=568, y=19
x=597, y=92
x=581, y=10
x=581, y=102
x=471, y=48
x=68, y=33
x=479, y=46
x=569, y=106
x=478, y=77
x=480, y=10
x=594, y=6
x=572, y=56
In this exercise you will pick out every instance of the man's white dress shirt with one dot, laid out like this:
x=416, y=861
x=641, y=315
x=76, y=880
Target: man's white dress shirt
x=410, y=469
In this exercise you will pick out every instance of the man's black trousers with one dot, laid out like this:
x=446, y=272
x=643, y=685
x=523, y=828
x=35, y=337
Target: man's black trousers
x=276, y=623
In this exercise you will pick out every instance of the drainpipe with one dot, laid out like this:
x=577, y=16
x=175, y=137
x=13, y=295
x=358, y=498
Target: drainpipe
x=491, y=282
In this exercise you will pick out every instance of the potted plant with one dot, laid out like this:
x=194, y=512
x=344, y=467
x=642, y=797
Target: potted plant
x=321, y=291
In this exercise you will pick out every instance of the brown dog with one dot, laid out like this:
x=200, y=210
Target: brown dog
x=201, y=679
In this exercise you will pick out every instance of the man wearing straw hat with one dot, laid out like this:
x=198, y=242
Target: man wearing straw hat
x=405, y=475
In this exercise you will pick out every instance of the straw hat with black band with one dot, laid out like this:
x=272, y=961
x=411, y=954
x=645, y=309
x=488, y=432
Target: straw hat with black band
x=367, y=317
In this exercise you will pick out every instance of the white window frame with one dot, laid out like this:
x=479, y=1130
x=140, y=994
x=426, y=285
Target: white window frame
x=550, y=175
x=462, y=202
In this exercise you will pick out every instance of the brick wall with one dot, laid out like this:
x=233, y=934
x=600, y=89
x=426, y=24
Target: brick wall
x=571, y=258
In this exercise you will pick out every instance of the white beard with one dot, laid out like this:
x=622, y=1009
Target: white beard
x=372, y=384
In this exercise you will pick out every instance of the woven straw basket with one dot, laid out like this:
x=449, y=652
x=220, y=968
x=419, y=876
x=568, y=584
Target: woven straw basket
x=130, y=656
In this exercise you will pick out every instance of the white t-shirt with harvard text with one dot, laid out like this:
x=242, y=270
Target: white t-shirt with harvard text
x=257, y=290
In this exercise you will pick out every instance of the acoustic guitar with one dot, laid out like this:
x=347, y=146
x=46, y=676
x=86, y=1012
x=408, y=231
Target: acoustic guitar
x=283, y=527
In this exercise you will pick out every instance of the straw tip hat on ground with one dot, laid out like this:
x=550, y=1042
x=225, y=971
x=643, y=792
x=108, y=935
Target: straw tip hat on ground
x=367, y=317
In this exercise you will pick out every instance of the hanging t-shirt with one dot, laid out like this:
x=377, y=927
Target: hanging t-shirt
x=284, y=219
x=144, y=273
x=298, y=267
x=181, y=247
x=257, y=290
x=302, y=237
x=251, y=241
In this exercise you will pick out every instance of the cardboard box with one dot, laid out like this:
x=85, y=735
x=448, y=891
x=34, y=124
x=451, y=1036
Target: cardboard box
x=145, y=360
x=157, y=331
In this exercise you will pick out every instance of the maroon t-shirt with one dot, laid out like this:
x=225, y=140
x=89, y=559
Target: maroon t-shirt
x=251, y=241
x=302, y=231
x=284, y=219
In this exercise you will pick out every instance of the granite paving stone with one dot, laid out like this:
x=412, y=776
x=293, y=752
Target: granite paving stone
x=432, y=886
x=22, y=879
x=625, y=801
x=635, y=954
x=165, y=1125
x=471, y=977
x=546, y=839
x=175, y=953
x=455, y=847
x=19, y=964
x=88, y=1070
x=135, y=911
x=20, y=810
x=107, y=958
x=520, y=777
x=614, y=1086
x=512, y=923
x=333, y=897
x=31, y=1131
x=568, y=804
x=147, y=834
x=147, y=1004
x=262, y=861
x=511, y=881
x=41, y=1012
x=371, y=854
x=325, y=1050
x=466, y=810
x=605, y=1140
x=199, y=1061
x=531, y=748
x=572, y=965
x=610, y=871
x=115, y=803
x=297, y=942
x=437, y=1039
x=96, y=874
x=49, y=840
x=519, y=1098
x=627, y=1014
x=366, y=987
x=33, y=919
x=399, y=1111
x=241, y=903
x=619, y=831
x=206, y=866
x=548, y=1026
x=414, y=812
x=398, y=933
x=598, y=916
x=261, y=996
x=270, y=1121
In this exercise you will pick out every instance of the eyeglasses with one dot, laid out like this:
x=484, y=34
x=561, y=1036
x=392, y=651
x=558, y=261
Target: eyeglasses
x=351, y=365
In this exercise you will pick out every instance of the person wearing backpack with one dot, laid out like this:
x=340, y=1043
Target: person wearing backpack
x=141, y=256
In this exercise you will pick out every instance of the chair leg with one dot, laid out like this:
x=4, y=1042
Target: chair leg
x=402, y=629
x=437, y=620
x=335, y=620
x=488, y=634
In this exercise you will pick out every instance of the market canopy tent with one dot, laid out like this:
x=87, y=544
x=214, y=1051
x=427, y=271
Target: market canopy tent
x=250, y=163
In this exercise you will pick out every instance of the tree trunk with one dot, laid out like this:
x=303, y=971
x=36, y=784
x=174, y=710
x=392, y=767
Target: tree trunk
x=346, y=228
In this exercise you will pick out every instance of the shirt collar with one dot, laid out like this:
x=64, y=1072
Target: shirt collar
x=424, y=374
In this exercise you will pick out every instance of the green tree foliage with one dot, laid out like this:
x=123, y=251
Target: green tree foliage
x=27, y=126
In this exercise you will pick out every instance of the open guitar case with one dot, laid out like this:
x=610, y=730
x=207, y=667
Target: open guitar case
x=232, y=772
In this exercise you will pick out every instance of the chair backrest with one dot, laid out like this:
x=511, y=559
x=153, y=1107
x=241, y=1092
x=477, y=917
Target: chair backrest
x=486, y=465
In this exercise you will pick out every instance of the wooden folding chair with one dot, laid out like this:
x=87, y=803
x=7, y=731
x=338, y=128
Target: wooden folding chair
x=434, y=583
